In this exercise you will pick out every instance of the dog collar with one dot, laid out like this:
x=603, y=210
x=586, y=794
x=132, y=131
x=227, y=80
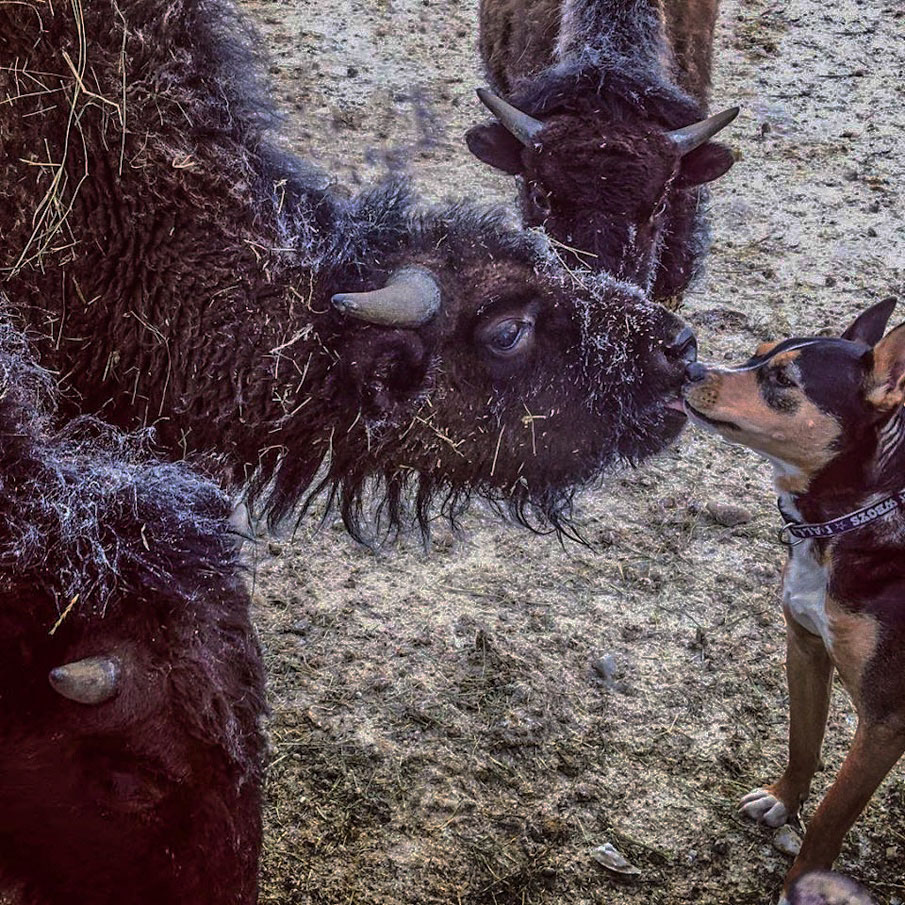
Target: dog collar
x=801, y=531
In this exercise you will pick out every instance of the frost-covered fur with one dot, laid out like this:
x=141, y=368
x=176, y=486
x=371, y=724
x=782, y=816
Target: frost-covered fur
x=178, y=267
x=153, y=796
x=608, y=80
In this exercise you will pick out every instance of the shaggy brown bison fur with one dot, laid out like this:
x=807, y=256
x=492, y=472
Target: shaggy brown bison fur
x=180, y=268
x=607, y=84
x=135, y=778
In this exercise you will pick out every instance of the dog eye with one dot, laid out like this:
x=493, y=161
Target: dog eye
x=508, y=336
x=783, y=379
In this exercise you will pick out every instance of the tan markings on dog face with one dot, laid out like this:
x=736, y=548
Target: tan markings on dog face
x=791, y=429
x=764, y=349
x=854, y=643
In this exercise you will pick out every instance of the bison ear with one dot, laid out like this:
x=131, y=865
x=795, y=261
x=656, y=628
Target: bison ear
x=387, y=367
x=495, y=145
x=869, y=325
x=888, y=377
x=705, y=164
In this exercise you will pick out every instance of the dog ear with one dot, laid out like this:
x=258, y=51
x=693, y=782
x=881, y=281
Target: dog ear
x=495, y=145
x=868, y=326
x=705, y=164
x=889, y=370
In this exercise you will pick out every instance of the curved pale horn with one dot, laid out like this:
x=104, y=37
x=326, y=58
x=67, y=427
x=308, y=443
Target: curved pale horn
x=410, y=298
x=690, y=137
x=525, y=128
x=89, y=681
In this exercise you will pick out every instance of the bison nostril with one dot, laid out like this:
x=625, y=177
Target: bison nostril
x=684, y=346
x=695, y=372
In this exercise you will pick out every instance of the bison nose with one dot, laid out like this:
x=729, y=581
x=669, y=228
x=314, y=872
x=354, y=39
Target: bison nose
x=684, y=346
x=695, y=372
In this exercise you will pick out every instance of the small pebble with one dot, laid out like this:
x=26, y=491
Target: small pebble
x=871, y=232
x=605, y=667
x=274, y=549
x=787, y=841
x=728, y=514
x=608, y=856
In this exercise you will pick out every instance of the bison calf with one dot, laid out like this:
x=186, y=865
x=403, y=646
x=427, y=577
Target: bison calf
x=600, y=111
x=130, y=678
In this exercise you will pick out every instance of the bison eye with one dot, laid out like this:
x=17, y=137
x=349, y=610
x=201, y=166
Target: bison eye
x=540, y=200
x=509, y=336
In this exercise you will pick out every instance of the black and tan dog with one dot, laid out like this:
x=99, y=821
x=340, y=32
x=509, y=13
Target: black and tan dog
x=828, y=414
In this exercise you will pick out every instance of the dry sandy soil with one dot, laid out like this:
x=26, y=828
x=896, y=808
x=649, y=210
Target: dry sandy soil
x=440, y=732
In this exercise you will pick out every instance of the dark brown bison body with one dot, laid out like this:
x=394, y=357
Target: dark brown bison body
x=189, y=284
x=133, y=776
x=607, y=162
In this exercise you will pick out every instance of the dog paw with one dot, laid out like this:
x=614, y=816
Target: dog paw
x=783, y=901
x=764, y=807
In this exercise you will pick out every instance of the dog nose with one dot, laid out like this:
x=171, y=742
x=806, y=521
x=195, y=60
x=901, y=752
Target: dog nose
x=684, y=346
x=695, y=372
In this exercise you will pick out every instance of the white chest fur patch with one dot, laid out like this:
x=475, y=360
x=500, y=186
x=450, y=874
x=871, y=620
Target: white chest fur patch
x=804, y=591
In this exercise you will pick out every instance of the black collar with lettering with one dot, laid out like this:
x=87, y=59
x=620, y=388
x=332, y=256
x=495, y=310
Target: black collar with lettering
x=841, y=525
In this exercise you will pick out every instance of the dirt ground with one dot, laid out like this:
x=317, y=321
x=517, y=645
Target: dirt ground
x=464, y=726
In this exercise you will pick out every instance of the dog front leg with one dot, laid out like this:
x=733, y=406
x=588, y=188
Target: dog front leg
x=874, y=752
x=809, y=672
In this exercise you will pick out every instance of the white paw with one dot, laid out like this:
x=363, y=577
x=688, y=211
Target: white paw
x=783, y=901
x=763, y=807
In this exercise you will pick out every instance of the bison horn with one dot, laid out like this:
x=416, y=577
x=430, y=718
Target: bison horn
x=89, y=681
x=690, y=137
x=410, y=298
x=525, y=128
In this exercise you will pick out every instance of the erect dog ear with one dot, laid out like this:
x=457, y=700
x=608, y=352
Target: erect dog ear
x=889, y=370
x=495, y=145
x=387, y=368
x=705, y=164
x=868, y=326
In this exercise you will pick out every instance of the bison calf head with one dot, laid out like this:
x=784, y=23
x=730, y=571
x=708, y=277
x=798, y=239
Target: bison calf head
x=130, y=748
x=609, y=188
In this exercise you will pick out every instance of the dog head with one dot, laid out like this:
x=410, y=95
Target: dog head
x=806, y=401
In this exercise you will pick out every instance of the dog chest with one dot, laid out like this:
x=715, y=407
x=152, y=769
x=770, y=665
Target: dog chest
x=804, y=591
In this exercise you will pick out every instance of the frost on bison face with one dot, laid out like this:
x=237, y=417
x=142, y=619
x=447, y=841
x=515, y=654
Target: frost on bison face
x=206, y=282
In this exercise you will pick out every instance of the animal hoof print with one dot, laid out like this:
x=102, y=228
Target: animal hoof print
x=764, y=807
